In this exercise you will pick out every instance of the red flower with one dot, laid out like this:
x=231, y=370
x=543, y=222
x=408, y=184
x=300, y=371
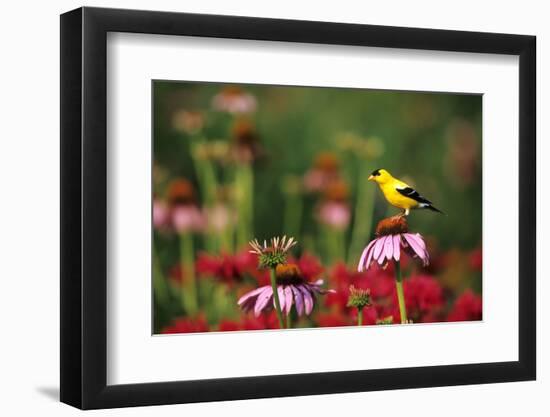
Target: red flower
x=468, y=307
x=423, y=298
x=476, y=259
x=186, y=325
x=370, y=315
x=249, y=322
x=309, y=266
x=379, y=281
x=230, y=268
x=423, y=293
x=332, y=319
x=338, y=299
x=229, y=326
x=263, y=322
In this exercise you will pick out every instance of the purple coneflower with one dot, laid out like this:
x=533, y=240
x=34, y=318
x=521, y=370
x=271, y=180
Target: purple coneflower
x=392, y=237
x=185, y=214
x=292, y=289
x=233, y=99
x=325, y=169
x=187, y=218
x=272, y=256
x=161, y=215
x=219, y=217
x=335, y=214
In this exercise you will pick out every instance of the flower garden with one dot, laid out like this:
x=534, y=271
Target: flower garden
x=264, y=218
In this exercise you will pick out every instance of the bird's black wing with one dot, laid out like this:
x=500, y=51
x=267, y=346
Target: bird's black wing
x=412, y=193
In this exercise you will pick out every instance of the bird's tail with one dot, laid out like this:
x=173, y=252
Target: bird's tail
x=432, y=208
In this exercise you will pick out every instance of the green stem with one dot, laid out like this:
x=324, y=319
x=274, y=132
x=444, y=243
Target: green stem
x=362, y=217
x=273, y=277
x=333, y=241
x=226, y=239
x=159, y=281
x=244, y=181
x=288, y=321
x=208, y=185
x=189, y=293
x=339, y=241
x=206, y=174
x=359, y=316
x=400, y=295
x=293, y=214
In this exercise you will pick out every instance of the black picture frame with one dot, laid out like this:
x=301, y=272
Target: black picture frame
x=84, y=207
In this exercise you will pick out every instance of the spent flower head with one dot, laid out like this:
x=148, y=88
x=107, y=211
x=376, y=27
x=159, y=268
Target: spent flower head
x=359, y=298
x=273, y=254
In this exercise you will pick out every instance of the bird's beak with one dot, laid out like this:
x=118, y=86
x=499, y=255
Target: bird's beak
x=371, y=177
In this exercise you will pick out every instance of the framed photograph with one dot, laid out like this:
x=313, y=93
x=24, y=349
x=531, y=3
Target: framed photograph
x=259, y=208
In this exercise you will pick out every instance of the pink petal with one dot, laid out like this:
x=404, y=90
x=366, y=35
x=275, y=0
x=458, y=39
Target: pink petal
x=251, y=294
x=262, y=301
x=308, y=299
x=411, y=240
x=248, y=304
x=299, y=300
x=361, y=264
x=420, y=240
x=315, y=288
x=288, y=301
x=378, y=247
x=281, y=292
x=388, y=249
x=369, y=256
x=396, y=247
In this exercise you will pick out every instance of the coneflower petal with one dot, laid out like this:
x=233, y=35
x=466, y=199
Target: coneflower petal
x=415, y=246
x=420, y=240
x=248, y=304
x=378, y=247
x=298, y=300
x=388, y=248
x=288, y=299
x=281, y=292
x=251, y=294
x=396, y=247
x=308, y=299
x=370, y=255
x=262, y=301
x=361, y=266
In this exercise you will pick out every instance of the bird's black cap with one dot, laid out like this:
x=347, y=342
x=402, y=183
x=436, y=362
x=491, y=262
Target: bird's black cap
x=375, y=173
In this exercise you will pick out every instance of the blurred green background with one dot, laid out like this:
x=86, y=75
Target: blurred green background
x=431, y=140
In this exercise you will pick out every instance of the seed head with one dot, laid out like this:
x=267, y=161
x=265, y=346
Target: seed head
x=359, y=298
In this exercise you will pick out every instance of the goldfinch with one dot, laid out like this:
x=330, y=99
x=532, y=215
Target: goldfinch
x=400, y=194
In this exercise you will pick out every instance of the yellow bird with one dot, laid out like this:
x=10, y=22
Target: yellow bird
x=400, y=194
